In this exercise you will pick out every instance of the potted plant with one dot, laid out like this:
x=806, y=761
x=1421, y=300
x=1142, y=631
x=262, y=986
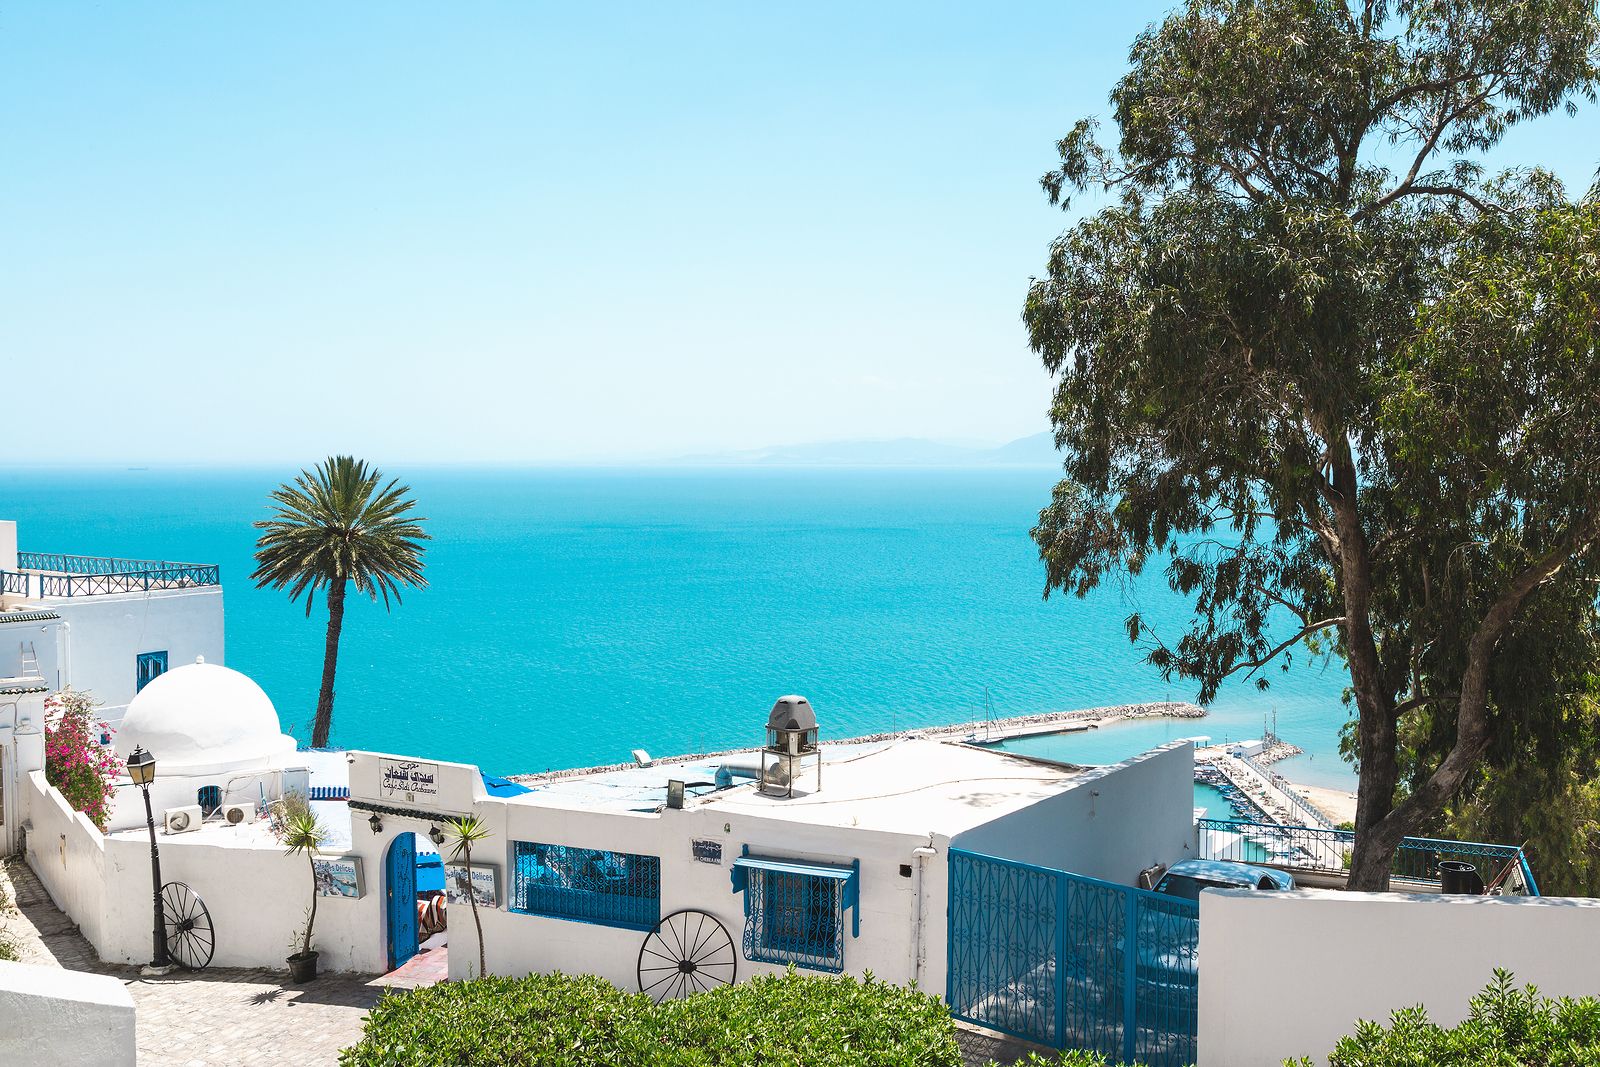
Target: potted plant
x=301, y=831
x=464, y=832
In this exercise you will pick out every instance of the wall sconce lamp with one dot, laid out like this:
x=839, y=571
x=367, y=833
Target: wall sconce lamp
x=436, y=835
x=376, y=823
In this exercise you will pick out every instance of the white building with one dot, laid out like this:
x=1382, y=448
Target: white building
x=103, y=625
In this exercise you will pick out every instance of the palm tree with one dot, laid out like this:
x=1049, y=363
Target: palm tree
x=302, y=832
x=333, y=525
x=464, y=832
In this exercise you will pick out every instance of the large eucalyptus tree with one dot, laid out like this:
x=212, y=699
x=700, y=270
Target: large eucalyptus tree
x=1340, y=384
x=335, y=524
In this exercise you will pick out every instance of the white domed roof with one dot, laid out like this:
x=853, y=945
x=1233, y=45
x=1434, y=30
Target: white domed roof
x=203, y=717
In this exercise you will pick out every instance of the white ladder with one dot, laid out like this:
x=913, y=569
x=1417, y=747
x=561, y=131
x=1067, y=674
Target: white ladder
x=30, y=660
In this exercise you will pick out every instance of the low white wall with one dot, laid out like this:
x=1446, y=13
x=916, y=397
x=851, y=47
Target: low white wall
x=1114, y=822
x=69, y=856
x=257, y=897
x=1288, y=974
x=56, y=1016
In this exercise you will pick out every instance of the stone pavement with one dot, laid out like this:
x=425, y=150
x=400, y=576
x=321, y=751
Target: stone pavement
x=219, y=1016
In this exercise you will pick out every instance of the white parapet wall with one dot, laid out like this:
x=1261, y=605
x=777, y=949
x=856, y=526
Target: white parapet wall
x=1117, y=820
x=1288, y=974
x=68, y=854
x=49, y=1015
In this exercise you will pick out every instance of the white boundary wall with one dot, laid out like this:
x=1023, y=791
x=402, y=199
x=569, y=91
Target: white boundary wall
x=1288, y=974
x=69, y=856
x=1112, y=824
x=68, y=1017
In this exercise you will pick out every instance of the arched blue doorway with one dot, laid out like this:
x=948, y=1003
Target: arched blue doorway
x=400, y=897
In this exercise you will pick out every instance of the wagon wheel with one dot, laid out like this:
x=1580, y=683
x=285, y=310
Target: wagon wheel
x=190, y=941
x=688, y=952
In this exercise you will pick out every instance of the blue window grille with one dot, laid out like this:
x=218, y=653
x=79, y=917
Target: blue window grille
x=152, y=665
x=209, y=798
x=586, y=884
x=794, y=911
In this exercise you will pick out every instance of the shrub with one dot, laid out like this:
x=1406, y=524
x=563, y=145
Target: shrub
x=75, y=762
x=1507, y=1027
x=779, y=1021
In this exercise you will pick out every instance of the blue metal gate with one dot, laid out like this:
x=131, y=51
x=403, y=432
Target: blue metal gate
x=1045, y=955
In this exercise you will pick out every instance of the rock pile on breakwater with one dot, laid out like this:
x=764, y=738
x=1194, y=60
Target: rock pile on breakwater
x=1084, y=718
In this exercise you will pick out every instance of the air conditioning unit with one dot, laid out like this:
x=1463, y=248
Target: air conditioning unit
x=181, y=820
x=234, y=814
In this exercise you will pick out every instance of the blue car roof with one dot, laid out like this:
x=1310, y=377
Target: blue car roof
x=1229, y=871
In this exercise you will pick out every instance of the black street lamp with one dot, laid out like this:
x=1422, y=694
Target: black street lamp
x=142, y=771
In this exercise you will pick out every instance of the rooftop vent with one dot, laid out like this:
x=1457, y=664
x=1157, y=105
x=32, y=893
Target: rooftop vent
x=791, y=738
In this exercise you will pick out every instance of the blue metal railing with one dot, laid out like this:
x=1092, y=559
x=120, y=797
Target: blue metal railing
x=587, y=885
x=1319, y=849
x=1073, y=962
x=54, y=574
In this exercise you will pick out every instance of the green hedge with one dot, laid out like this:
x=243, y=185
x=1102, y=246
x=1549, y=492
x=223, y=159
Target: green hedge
x=557, y=1020
x=1508, y=1027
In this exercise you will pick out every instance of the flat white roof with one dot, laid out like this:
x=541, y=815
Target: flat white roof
x=909, y=784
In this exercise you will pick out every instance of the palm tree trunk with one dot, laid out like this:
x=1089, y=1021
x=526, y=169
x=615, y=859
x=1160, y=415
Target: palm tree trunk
x=305, y=948
x=472, y=898
x=330, y=663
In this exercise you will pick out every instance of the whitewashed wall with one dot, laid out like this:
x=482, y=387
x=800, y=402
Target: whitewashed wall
x=1114, y=822
x=1288, y=974
x=257, y=898
x=69, y=856
x=104, y=635
x=55, y=1016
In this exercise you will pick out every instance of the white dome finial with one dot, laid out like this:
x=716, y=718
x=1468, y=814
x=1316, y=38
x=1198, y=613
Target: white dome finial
x=199, y=659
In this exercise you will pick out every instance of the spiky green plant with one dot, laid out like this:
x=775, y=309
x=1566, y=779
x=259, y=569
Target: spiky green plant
x=331, y=526
x=463, y=832
x=302, y=832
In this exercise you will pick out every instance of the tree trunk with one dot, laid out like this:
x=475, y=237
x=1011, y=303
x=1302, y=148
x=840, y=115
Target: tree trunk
x=330, y=663
x=311, y=919
x=472, y=899
x=1370, y=860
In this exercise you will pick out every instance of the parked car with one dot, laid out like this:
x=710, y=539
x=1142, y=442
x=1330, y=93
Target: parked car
x=1188, y=878
x=1168, y=941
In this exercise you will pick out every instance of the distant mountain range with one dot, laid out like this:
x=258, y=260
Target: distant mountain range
x=1037, y=450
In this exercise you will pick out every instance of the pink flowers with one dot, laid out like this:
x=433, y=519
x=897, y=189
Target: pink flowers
x=75, y=762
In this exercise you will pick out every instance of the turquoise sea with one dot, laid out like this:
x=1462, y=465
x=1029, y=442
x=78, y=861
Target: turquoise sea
x=574, y=615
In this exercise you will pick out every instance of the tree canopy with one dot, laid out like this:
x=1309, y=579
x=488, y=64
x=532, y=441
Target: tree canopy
x=1337, y=381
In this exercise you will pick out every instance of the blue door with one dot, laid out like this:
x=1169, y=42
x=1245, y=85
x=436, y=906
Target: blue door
x=400, y=888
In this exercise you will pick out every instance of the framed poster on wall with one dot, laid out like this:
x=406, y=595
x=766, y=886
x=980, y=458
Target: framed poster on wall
x=339, y=877
x=485, y=884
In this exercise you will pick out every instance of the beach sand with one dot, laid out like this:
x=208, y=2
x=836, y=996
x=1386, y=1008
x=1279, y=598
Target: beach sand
x=1337, y=804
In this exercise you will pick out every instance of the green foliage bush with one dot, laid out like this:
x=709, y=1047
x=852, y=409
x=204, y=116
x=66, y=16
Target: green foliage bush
x=1508, y=1027
x=560, y=1020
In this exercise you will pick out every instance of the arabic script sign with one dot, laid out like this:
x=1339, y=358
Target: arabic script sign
x=408, y=778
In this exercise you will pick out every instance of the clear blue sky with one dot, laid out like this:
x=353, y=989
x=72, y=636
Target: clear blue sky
x=519, y=232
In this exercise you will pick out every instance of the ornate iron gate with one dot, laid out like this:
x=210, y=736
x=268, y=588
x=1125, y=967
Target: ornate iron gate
x=1073, y=962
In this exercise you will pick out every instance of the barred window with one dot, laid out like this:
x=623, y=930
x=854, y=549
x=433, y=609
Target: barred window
x=209, y=797
x=586, y=884
x=795, y=918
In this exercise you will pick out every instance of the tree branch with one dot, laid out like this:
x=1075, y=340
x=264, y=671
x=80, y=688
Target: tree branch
x=1305, y=631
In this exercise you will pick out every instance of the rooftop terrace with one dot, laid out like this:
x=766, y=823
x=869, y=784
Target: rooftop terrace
x=46, y=575
x=874, y=785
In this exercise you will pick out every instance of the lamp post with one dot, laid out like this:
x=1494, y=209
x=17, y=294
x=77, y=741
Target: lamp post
x=142, y=771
